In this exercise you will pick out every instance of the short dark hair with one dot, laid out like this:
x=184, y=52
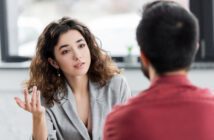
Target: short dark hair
x=167, y=35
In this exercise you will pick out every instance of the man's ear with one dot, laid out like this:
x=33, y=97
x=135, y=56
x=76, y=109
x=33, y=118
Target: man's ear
x=53, y=63
x=143, y=58
x=197, y=46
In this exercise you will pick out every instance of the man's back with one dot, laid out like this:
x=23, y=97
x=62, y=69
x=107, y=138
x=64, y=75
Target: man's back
x=171, y=109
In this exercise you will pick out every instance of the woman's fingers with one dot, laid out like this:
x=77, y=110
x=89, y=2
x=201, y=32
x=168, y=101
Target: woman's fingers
x=27, y=104
x=33, y=97
x=20, y=102
x=38, y=99
x=33, y=106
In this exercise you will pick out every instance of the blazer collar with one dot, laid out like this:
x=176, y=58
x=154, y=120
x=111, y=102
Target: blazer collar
x=93, y=88
x=95, y=115
x=69, y=106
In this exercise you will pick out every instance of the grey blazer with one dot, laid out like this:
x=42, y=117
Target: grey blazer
x=62, y=119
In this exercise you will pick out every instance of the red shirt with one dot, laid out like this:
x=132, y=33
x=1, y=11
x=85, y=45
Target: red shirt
x=171, y=109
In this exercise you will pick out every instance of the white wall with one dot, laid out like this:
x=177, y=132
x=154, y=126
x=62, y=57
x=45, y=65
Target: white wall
x=11, y=79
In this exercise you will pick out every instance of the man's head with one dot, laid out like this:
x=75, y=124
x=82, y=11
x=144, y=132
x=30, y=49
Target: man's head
x=167, y=36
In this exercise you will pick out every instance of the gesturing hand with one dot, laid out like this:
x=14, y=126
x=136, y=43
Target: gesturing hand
x=34, y=106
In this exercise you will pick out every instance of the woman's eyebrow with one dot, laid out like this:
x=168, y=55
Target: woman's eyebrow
x=63, y=46
x=79, y=40
x=66, y=45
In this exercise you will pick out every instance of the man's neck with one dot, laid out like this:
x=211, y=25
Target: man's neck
x=178, y=72
x=153, y=74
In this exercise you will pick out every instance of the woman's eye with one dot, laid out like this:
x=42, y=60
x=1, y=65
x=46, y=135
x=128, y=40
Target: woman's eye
x=82, y=45
x=65, y=51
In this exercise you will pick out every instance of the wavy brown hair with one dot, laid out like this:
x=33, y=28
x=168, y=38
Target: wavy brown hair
x=44, y=76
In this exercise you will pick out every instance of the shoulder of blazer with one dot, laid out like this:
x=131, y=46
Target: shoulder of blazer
x=55, y=104
x=117, y=82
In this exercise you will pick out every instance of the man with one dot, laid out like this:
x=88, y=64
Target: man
x=171, y=108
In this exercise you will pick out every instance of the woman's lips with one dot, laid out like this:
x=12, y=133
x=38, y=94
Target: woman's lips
x=79, y=65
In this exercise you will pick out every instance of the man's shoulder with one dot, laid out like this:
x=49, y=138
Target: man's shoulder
x=122, y=121
x=125, y=109
x=149, y=97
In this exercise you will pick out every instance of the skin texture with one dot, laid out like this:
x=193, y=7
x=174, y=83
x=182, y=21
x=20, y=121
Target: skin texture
x=72, y=58
x=70, y=52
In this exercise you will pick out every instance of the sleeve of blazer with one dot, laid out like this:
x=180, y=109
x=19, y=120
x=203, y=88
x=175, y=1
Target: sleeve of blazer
x=50, y=127
x=125, y=91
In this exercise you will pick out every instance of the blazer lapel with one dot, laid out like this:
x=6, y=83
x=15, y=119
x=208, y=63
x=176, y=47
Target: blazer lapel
x=96, y=111
x=69, y=106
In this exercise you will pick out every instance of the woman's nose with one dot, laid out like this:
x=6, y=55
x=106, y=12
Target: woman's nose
x=76, y=55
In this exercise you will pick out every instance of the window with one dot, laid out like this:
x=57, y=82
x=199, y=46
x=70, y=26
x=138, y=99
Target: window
x=204, y=10
x=8, y=38
x=113, y=22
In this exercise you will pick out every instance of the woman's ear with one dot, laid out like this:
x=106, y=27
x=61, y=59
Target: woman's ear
x=53, y=63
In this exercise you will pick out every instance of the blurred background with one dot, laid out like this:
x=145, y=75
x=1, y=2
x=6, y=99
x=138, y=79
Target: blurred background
x=113, y=22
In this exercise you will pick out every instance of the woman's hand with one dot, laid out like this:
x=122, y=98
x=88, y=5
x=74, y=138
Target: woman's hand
x=34, y=106
x=38, y=112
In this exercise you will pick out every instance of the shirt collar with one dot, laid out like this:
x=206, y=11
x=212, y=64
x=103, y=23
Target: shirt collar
x=171, y=79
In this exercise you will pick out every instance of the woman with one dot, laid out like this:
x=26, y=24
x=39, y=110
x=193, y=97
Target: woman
x=79, y=84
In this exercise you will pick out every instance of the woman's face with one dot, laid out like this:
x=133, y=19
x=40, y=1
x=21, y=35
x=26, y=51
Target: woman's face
x=72, y=54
